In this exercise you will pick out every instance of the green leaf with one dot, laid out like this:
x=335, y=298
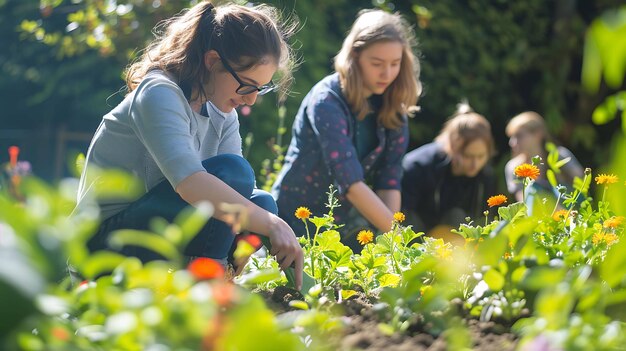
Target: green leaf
x=551, y=178
x=494, y=279
x=147, y=240
x=346, y=294
x=512, y=211
x=561, y=163
x=389, y=279
x=191, y=220
x=299, y=304
x=541, y=277
x=491, y=250
x=101, y=262
x=613, y=269
x=260, y=276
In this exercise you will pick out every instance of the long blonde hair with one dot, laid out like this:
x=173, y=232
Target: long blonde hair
x=370, y=27
x=244, y=36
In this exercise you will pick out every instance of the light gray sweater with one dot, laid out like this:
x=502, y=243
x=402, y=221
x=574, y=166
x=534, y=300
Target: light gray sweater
x=153, y=134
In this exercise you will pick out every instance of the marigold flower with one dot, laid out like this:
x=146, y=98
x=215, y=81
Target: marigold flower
x=606, y=179
x=60, y=333
x=559, y=215
x=526, y=170
x=610, y=239
x=507, y=255
x=496, y=200
x=399, y=217
x=365, y=237
x=205, y=268
x=302, y=213
x=613, y=222
x=597, y=238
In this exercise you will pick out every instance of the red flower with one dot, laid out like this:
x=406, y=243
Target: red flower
x=253, y=240
x=206, y=268
x=14, y=151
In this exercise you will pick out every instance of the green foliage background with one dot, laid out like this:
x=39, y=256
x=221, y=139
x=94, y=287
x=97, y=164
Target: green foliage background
x=503, y=56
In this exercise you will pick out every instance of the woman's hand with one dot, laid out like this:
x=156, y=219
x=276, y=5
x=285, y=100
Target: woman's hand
x=286, y=248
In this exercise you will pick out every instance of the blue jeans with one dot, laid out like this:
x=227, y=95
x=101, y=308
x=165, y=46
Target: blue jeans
x=215, y=239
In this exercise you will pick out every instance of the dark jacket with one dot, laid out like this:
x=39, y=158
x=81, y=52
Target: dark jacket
x=431, y=194
x=322, y=152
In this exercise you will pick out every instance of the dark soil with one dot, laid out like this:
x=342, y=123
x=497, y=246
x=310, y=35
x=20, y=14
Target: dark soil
x=362, y=331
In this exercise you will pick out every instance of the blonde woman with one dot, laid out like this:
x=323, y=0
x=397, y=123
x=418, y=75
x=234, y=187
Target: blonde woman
x=351, y=130
x=528, y=135
x=177, y=130
x=450, y=178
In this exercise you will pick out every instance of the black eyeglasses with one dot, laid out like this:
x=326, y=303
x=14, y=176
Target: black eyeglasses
x=245, y=88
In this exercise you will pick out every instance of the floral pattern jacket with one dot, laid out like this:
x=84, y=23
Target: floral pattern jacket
x=322, y=152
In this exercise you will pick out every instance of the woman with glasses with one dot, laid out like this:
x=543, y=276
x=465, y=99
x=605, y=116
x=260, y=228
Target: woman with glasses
x=351, y=130
x=449, y=179
x=177, y=131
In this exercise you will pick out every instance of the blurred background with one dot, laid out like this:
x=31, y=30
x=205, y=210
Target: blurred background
x=61, y=64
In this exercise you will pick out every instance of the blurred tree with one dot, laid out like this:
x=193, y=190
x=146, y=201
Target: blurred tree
x=503, y=56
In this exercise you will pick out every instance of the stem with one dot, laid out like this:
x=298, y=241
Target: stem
x=604, y=193
x=393, y=259
x=524, y=182
x=557, y=204
x=577, y=193
x=317, y=229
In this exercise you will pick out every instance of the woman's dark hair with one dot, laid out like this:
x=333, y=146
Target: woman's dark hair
x=244, y=36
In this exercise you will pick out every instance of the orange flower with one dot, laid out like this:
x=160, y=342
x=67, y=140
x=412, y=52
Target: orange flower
x=613, y=222
x=526, y=170
x=559, y=215
x=496, y=200
x=606, y=179
x=302, y=213
x=224, y=294
x=253, y=240
x=399, y=217
x=60, y=333
x=365, y=237
x=206, y=268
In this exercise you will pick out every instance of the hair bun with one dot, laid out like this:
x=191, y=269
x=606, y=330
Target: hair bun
x=463, y=107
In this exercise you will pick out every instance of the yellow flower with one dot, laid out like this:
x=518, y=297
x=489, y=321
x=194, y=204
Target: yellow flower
x=613, y=222
x=302, y=213
x=399, y=217
x=606, y=179
x=559, y=215
x=424, y=289
x=365, y=237
x=526, y=170
x=610, y=239
x=597, y=238
x=496, y=200
x=507, y=255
